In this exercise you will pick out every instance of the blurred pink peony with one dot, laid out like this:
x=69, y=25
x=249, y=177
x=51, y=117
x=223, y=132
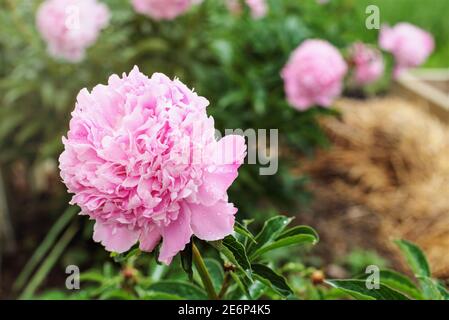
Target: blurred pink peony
x=234, y=6
x=71, y=26
x=410, y=45
x=314, y=74
x=163, y=9
x=142, y=160
x=368, y=63
x=258, y=8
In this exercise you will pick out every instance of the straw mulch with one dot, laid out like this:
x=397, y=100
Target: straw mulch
x=386, y=176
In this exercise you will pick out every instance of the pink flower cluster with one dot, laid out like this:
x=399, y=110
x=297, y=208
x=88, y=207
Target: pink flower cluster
x=314, y=74
x=141, y=159
x=71, y=26
x=410, y=45
x=163, y=9
x=368, y=63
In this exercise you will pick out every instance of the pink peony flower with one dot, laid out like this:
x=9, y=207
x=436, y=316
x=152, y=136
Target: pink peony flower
x=314, y=74
x=71, y=26
x=410, y=45
x=368, y=63
x=142, y=160
x=258, y=8
x=163, y=9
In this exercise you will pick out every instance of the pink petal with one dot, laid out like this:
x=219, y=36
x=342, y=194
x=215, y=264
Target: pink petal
x=216, y=184
x=114, y=238
x=149, y=238
x=228, y=157
x=231, y=149
x=175, y=236
x=214, y=222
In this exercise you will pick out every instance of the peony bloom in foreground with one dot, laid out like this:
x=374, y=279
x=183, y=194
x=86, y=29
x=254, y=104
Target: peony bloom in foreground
x=142, y=160
x=258, y=8
x=410, y=45
x=71, y=26
x=314, y=74
x=368, y=64
x=163, y=9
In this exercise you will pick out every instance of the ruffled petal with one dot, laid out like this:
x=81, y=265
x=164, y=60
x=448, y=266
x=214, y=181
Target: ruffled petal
x=214, y=222
x=115, y=238
x=228, y=157
x=175, y=236
x=231, y=150
x=149, y=238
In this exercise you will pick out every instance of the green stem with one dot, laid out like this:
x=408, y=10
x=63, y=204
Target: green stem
x=49, y=262
x=49, y=241
x=204, y=274
x=225, y=286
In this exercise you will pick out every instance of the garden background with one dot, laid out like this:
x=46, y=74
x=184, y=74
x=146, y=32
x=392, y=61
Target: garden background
x=235, y=61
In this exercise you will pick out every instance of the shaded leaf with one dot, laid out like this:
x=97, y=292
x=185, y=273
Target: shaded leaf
x=272, y=279
x=234, y=251
x=216, y=272
x=242, y=230
x=242, y=285
x=181, y=289
x=187, y=260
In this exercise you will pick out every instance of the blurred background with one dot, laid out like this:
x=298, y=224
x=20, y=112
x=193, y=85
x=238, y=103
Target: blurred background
x=373, y=168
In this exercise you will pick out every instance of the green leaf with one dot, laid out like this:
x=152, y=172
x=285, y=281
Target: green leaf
x=415, y=258
x=443, y=291
x=398, y=282
x=216, y=272
x=272, y=279
x=299, y=230
x=186, y=260
x=242, y=230
x=181, y=289
x=431, y=288
x=116, y=294
x=242, y=285
x=234, y=251
x=160, y=296
x=299, y=239
x=359, y=290
x=92, y=276
x=123, y=257
x=257, y=289
x=272, y=228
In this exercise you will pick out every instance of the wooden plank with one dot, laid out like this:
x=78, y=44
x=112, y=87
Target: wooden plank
x=412, y=85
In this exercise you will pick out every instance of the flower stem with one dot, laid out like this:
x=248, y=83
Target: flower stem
x=225, y=286
x=204, y=274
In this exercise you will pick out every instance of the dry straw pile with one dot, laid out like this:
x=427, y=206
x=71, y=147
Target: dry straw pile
x=386, y=176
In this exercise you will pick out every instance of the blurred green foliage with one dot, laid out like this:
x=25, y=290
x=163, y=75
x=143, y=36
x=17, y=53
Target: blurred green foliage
x=233, y=60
